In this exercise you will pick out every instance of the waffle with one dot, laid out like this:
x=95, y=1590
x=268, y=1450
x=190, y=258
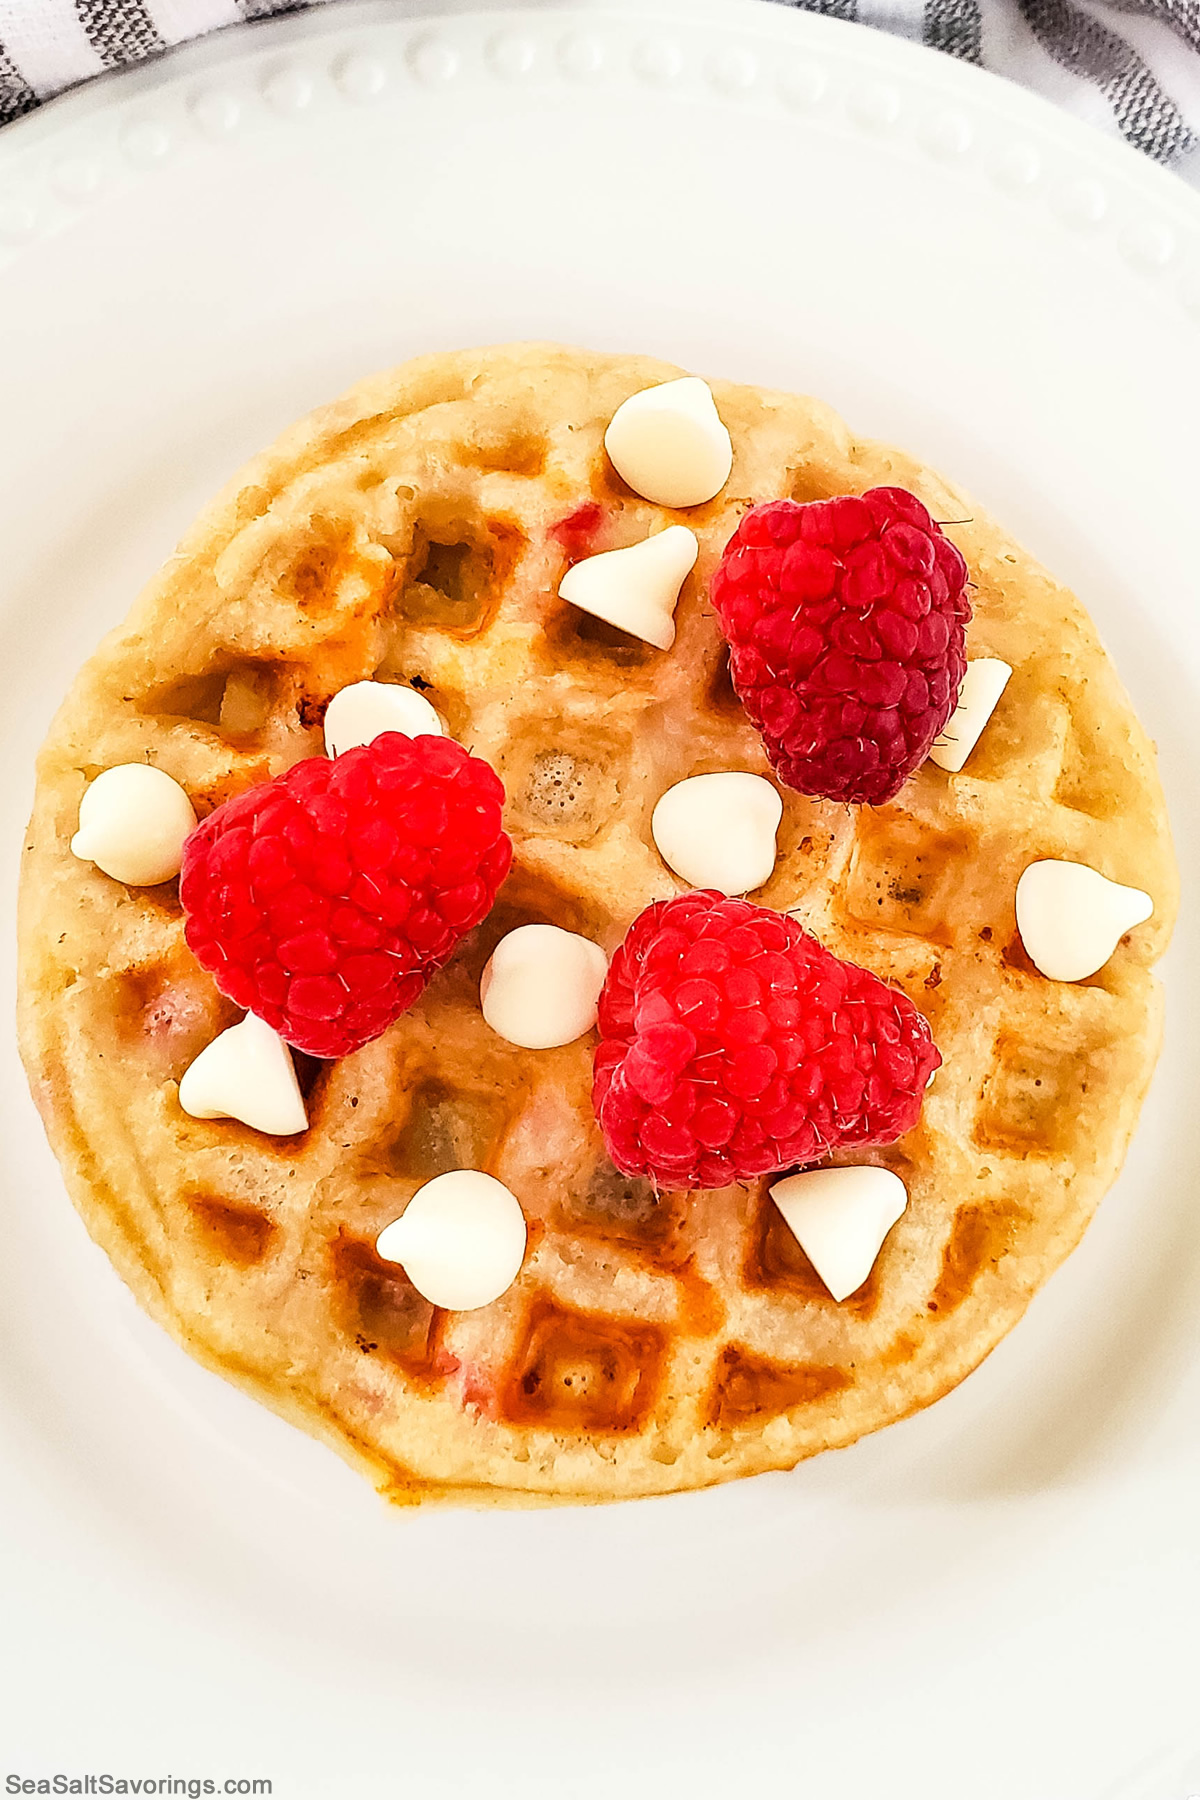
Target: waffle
x=418, y=528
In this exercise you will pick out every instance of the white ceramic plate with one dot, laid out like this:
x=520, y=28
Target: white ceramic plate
x=994, y=1600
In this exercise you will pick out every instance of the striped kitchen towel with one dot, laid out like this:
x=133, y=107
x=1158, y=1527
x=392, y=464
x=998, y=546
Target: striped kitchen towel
x=1130, y=66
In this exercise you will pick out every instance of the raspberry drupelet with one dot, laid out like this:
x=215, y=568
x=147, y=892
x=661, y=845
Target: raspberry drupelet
x=846, y=621
x=733, y=1045
x=325, y=899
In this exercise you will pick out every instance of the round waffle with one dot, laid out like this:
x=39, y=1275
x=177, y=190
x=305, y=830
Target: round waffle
x=418, y=529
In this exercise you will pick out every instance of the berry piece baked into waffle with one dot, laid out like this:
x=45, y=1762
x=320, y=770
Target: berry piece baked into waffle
x=747, y=1110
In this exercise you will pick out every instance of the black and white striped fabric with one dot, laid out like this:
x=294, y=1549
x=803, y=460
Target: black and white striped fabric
x=1130, y=66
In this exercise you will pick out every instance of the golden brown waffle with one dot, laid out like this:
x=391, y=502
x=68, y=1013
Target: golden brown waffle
x=415, y=530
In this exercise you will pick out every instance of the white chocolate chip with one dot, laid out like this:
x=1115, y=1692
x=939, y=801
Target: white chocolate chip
x=360, y=713
x=246, y=1073
x=982, y=685
x=840, y=1218
x=1071, y=918
x=460, y=1240
x=133, y=823
x=541, y=986
x=637, y=588
x=718, y=831
x=669, y=444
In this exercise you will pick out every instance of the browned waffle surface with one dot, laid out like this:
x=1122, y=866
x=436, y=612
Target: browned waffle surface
x=417, y=529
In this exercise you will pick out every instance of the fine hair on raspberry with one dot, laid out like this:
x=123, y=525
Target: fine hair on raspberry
x=325, y=899
x=733, y=1045
x=846, y=620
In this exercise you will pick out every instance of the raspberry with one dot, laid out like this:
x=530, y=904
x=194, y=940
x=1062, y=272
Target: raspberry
x=846, y=622
x=325, y=899
x=733, y=1044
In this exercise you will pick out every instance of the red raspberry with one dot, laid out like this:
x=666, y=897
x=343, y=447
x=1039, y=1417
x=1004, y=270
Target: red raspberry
x=732, y=1044
x=846, y=622
x=324, y=900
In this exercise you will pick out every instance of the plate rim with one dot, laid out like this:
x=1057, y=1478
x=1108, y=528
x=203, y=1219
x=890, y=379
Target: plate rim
x=31, y=198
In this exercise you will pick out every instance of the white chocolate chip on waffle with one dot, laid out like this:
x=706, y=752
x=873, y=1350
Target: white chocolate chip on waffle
x=133, y=823
x=540, y=986
x=637, y=588
x=669, y=444
x=840, y=1217
x=461, y=1239
x=718, y=831
x=246, y=1073
x=1071, y=918
x=360, y=713
x=982, y=685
